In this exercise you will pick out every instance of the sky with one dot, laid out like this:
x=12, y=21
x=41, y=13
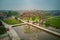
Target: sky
x=29, y=4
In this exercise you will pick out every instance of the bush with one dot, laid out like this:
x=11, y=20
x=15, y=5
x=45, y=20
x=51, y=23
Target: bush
x=47, y=23
x=2, y=30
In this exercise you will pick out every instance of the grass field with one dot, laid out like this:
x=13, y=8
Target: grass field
x=12, y=21
x=35, y=19
x=54, y=22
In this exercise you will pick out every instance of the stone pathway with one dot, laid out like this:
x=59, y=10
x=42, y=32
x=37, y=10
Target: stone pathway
x=5, y=38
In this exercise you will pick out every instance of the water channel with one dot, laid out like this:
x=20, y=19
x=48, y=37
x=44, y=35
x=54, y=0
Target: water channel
x=26, y=32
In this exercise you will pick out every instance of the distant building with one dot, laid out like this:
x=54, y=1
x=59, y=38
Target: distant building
x=26, y=14
x=2, y=15
x=12, y=17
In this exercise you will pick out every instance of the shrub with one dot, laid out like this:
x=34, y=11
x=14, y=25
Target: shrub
x=2, y=30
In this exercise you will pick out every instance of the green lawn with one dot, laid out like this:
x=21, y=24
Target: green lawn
x=12, y=21
x=35, y=19
x=54, y=22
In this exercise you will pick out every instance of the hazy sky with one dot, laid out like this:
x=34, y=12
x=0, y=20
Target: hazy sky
x=29, y=4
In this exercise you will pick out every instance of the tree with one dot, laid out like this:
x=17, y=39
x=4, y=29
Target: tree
x=2, y=28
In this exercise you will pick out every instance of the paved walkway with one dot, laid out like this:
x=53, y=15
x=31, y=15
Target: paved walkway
x=13, y=35
x=5, y=38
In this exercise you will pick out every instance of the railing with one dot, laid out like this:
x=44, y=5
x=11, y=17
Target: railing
x=42, y=28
